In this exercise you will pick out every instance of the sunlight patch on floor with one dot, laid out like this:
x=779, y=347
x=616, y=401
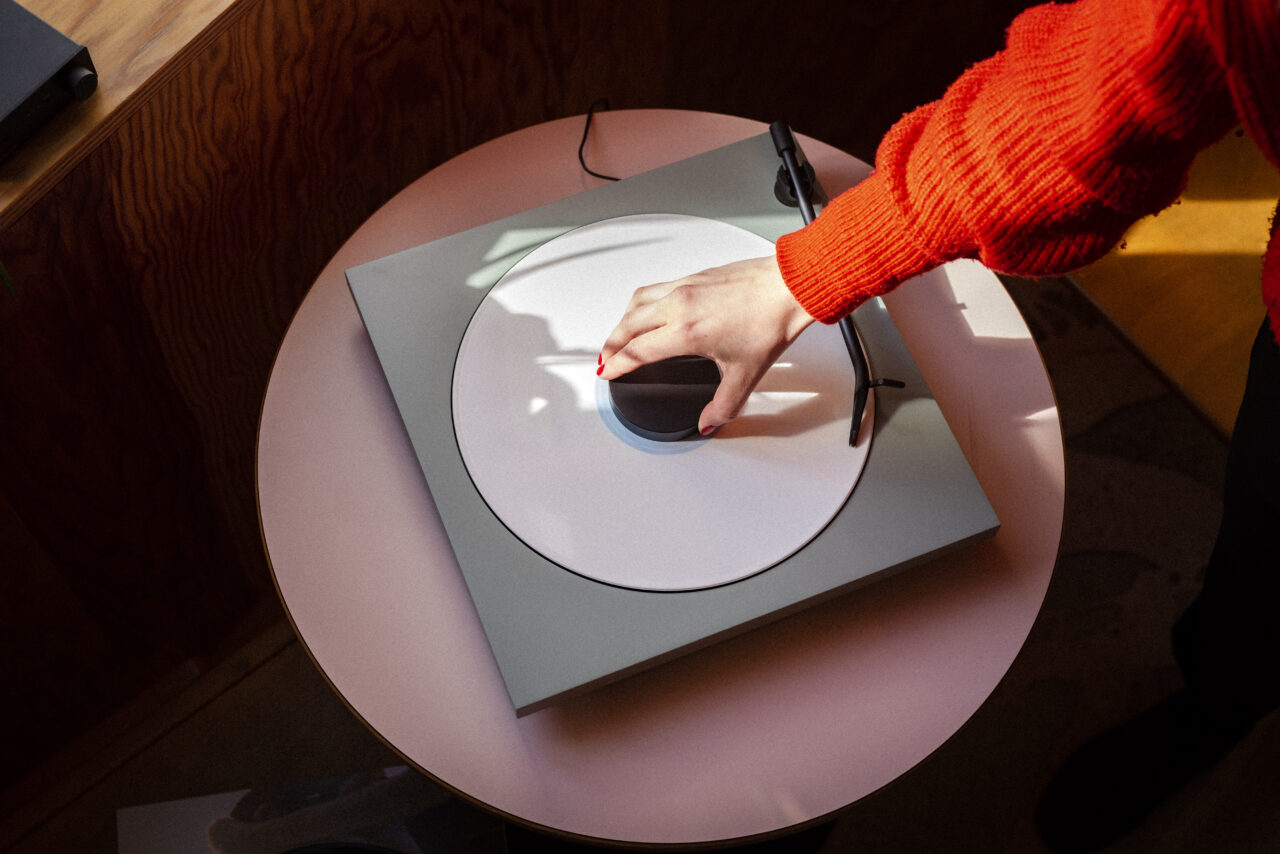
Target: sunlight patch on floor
x=1184, y=285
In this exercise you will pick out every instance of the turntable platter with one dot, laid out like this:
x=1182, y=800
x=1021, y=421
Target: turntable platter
x=549, y=456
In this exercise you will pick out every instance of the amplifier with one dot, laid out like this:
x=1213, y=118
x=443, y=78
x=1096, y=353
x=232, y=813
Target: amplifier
x=41, y=71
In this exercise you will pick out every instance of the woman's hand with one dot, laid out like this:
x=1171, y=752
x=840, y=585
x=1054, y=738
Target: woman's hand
x=741, y=315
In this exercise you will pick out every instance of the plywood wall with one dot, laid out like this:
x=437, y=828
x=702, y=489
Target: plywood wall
x=153, y=283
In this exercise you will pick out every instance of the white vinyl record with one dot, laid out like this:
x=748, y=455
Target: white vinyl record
x=551, y=459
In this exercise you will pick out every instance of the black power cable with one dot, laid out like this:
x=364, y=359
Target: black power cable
x=585, y=130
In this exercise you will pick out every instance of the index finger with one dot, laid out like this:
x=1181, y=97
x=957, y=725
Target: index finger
x=641, y=316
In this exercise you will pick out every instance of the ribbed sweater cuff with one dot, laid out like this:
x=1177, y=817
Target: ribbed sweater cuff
x=859, y=247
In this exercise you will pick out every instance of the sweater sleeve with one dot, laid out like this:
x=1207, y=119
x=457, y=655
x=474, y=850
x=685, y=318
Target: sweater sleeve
x=1035, y=161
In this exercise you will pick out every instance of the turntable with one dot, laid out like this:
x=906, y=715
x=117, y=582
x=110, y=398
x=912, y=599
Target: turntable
x=591, y=552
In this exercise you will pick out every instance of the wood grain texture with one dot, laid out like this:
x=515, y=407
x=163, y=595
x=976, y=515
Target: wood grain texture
x=155, y=280
x=156, y=273
x=136, y=45
x=840, y=72
x=161, y=236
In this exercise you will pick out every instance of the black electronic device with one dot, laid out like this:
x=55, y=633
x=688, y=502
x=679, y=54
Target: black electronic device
x=41, y=71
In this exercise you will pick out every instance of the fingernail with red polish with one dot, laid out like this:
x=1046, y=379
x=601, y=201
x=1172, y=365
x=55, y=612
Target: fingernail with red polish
x=600, y=370
x=709, y=429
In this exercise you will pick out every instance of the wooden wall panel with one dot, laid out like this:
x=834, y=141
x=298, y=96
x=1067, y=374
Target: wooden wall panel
x=155, y=281
x=102, y=464
x=842, y=72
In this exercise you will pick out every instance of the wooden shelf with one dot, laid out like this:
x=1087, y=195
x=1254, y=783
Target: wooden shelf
x=136, y=45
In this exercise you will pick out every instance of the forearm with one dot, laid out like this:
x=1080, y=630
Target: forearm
x=1035, y=161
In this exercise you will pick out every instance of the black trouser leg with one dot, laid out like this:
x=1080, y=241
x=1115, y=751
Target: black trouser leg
x=1228, y=641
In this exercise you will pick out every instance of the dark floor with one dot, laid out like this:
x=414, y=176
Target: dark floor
x=1143, y=480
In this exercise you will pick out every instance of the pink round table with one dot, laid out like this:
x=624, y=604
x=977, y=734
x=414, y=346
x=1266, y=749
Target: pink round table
x=763, y=732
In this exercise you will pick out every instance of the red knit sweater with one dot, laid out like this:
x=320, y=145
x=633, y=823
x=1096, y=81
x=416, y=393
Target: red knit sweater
x=1036, y=160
